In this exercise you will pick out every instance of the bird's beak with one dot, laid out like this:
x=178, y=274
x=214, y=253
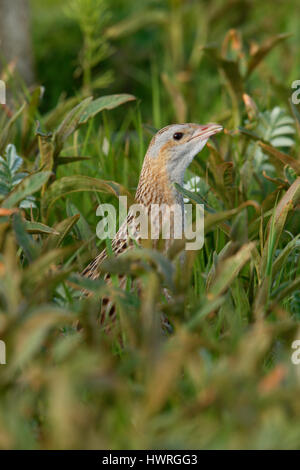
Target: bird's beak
x=204, y=132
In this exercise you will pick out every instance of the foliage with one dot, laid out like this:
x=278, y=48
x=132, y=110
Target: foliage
x=92, y=17
x=10, y=176
x=223, y=377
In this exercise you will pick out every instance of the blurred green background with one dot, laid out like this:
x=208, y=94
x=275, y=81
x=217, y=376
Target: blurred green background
x=148, y=38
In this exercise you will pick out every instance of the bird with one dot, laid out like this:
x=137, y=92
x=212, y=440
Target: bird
x=170, y=152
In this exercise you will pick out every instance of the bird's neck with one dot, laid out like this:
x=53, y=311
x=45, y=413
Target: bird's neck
x=155, y=185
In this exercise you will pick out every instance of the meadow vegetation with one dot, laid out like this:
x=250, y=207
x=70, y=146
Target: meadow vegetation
x=113, y=73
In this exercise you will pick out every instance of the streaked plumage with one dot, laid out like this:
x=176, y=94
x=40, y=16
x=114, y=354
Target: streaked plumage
x=170, y=152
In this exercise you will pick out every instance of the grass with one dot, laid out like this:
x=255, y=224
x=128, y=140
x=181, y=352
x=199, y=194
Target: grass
x=224, y=377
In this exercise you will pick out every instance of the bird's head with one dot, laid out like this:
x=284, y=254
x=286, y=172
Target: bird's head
x=175, y=146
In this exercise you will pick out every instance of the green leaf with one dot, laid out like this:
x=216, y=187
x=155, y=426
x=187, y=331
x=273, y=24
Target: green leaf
x=28, y=186
x=213, y=219
x=35, y=272
x=276, y=224
x=82, y=227
x=71, y=184
x=282, y=142
x=283, y=255
x=5, y=133
x=296, y=112
x=249, y=134
x=32, y=332
x=54, y=116
x=134, y=261
x=194, y=197
x=263, y=50
x=29, y=114
x=64, y=160
x=46, y=149
x=61, y=231
x=230, y=71
x=27, y=243
x=239, y=229
x=228, y=269
x=69, y=125
x=85, y=283
x=229, y=68
x=288, y=289
x=104, y=102
x=137, y=21
x=38, y=228
x=208, y=307
x=283, y=157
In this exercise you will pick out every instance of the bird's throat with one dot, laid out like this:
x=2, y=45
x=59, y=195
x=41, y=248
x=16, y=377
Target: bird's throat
x=156, y=188
x=155, y=185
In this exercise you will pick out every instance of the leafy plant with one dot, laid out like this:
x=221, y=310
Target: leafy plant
x=10, y=176
x=275, y=127
x=218, y=373
x=92, y=17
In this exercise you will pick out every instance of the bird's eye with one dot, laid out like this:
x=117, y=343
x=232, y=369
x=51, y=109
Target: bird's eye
x=177, y=135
